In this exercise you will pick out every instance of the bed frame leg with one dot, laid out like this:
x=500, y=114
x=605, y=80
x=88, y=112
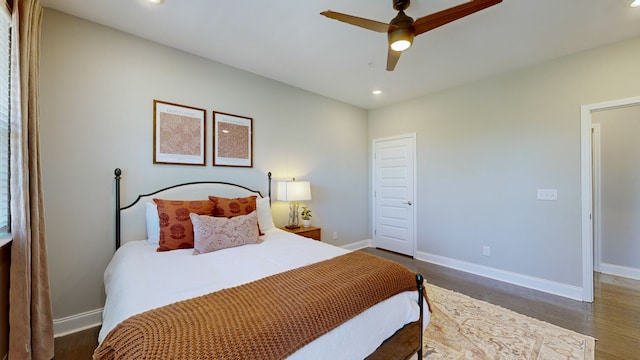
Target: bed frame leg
x=420, y=283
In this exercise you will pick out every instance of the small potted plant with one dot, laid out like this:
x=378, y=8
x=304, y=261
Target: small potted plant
x=306, y=217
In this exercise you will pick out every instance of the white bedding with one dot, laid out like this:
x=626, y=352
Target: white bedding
x=139, y=279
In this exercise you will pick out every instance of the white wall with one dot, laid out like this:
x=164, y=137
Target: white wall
x=485, y=147
x=620, y=186
x=97, y=92
x=483, y=150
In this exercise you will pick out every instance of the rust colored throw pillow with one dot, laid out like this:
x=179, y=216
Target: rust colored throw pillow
x=229, y=208
x=225, y=207
x=215, y=233
x=176, y=229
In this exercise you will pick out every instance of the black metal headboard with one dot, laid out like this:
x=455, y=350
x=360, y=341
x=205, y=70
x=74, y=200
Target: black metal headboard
x=118, y=176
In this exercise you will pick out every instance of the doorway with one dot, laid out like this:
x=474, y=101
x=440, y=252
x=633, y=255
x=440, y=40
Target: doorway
x=616, y=175
x=394, y=200
x=586, y=175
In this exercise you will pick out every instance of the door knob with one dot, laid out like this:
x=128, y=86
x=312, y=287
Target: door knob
x=409, y=203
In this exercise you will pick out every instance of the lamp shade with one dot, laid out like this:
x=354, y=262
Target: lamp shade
x=294, y=191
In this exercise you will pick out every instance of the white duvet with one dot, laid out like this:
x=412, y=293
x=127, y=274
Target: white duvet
x=138, y=279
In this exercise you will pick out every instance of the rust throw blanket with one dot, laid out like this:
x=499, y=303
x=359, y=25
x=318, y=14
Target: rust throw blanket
x=266, y=319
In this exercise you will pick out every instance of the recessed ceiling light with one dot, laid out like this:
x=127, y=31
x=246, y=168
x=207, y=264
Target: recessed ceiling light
x=154, y=2
x=376, y=92
x=635, y=3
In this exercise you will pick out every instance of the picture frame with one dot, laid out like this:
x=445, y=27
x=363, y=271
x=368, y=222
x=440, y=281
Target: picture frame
x=179, y=134
x=232, y=140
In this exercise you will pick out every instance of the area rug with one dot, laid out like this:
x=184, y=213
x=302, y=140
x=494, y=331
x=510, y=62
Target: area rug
x=465, y=328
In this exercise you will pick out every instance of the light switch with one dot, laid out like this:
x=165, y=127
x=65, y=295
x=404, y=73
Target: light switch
x=547, y=194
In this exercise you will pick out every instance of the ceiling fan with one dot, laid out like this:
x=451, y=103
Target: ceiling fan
x=402, y=29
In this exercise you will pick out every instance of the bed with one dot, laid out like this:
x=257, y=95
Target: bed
x=139, y=281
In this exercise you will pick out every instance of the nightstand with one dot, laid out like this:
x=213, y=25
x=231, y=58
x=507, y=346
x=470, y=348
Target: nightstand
x=311, y=232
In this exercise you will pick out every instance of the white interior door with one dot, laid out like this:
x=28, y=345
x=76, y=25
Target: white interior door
x=394, y=194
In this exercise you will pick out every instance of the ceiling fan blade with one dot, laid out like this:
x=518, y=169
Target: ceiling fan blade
x=392, y=59
x=443, y=17
x=357, y=21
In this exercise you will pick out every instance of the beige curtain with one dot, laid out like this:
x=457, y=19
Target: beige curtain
x=30, y=319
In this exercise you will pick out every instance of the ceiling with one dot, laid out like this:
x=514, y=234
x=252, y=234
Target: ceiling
x=288, y=41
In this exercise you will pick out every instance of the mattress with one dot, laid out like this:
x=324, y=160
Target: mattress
x=139, y=279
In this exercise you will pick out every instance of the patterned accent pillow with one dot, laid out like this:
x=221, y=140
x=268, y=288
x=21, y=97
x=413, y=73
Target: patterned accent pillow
x=228, y=208
x=176, y=230
x=215, y=233
x=234, y=207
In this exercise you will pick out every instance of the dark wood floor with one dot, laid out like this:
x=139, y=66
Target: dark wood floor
x=613, y=318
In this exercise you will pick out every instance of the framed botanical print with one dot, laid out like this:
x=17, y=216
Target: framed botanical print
x=178, y=134
x=232, y=140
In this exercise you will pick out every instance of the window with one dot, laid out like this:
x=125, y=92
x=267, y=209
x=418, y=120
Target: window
x=5, y=111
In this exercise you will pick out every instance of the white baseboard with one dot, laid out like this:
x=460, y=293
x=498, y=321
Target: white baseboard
x=74, y=323
x=552, y=287
x=617, y=270
x=358, y=245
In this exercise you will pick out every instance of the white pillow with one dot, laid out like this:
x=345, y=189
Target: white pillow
x=265, y=220
x=153, y=223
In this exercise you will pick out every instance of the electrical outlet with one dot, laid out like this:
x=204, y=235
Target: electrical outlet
x=486, y=251
x=335, y=235
x=547, y=194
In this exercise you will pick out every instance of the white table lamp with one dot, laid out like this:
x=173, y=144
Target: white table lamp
x=293, y=192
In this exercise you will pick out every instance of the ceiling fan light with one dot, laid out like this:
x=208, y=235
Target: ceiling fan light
x=400, y=39
x=401, y=45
